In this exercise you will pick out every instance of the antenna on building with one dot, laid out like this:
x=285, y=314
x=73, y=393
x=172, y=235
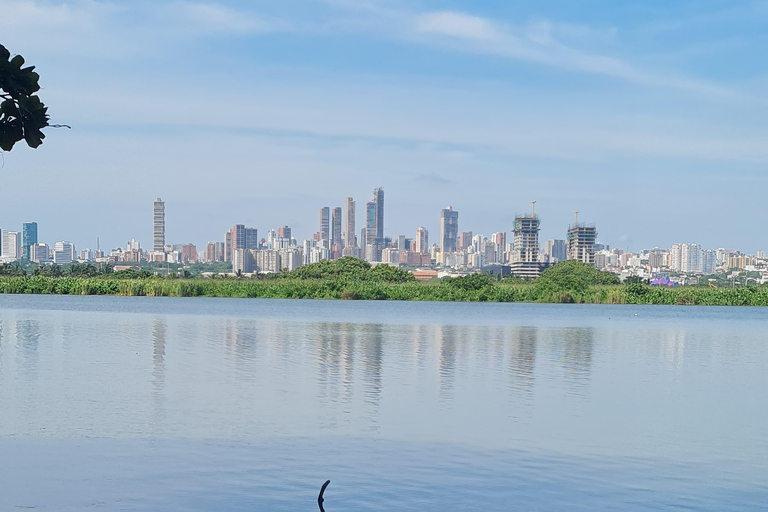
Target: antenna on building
x=97, y=244
x=576, y=214
x=533, y=208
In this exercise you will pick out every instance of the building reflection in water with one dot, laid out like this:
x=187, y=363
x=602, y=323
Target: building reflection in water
x=27, y=343
x=372, y=355
x=159, y=334
x=447, y=360
x=672, y=347
x=522, y=358
x=2, y=342
x=574, y=347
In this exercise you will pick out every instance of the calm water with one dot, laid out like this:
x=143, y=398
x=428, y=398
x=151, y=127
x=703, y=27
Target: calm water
x=152, y=404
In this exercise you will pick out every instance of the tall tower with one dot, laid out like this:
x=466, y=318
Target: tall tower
x=422, y=240
x=336, y=229
x=378, y=199
x=158, y=243
x=525, y=258
x=581, y=241
x=370, y=222
x=349, y=227
x=449, y=229
x=325, y=225
x=251, y=238
x=28, y=237
x=238, y=237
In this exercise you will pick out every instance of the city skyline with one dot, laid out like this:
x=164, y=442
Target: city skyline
x=634, y=114
x=341, y=220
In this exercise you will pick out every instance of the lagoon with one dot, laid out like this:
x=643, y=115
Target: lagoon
x=149, y=403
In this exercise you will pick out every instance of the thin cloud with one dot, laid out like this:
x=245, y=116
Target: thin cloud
x=433, y=178
x=458, y=24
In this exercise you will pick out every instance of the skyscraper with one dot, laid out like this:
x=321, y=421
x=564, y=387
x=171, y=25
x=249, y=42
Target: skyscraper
x=350, y=224
x=228, y=246
x=251, y=238
x=526, y=238
x=449, y=229
x=284, y=232
x=159, y=226
x=581, y=241
x=336, y=229
x=465, y=240
x=422, y=240
x=237, y=237
x=325, y=226
x=555, y=250
x=370, y=222
x=525, y=257
x=378, y=199
x=11, y=245
x=28, y=237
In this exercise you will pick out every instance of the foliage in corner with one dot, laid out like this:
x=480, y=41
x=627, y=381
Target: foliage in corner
x=22, y=114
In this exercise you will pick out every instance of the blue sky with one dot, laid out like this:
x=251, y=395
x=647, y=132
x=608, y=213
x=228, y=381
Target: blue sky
x=648, y=117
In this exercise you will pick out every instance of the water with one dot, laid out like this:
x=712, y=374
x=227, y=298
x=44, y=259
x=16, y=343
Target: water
x=159, y=404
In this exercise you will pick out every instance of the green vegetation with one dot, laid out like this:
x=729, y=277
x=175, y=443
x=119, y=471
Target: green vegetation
x=353, y=279
x=22, y=114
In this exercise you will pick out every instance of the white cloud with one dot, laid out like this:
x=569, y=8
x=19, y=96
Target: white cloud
x=457, y=24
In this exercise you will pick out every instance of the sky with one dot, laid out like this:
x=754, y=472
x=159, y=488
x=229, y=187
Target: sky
x=649, y=117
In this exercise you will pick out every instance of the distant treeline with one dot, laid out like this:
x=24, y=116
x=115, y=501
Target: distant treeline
x=354, y=279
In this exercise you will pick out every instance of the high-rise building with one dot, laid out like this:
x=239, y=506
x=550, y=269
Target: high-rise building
x=349, y=224
x=237, y=236
x=159, y=226
x=422, y=240
x=228, y=246
x=675, y=257
x=63, y=253
x=188, y=253
x=555, y=250
x=28, y=238
x=464, y=241
x=581, y=241
x=325, y=226
x=449, y=229
x=708, y=261
x=11, y=245
x=370, y=222
x=251, y=238
x=378, y=199
x=284, y=232
x=39, y=253
x=210, y=252
x=363, y=239
x=525, y=256
x=336, y=229
x=690, y=258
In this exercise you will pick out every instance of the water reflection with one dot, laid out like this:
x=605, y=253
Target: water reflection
x=447, y=361
x=27, y=342
x=522, y=358
x=1, y=348
x=159, y=329
x=574, y=347
x=373, y=360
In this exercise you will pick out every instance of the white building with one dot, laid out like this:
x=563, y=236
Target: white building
x=63, y=253
x=40, y=253
x=11, y=249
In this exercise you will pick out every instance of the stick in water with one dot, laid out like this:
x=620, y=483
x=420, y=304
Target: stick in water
x=320, y=496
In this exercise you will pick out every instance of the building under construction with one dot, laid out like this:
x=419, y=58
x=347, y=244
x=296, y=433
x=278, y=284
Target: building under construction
x=581, y=241
x=525, y=259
